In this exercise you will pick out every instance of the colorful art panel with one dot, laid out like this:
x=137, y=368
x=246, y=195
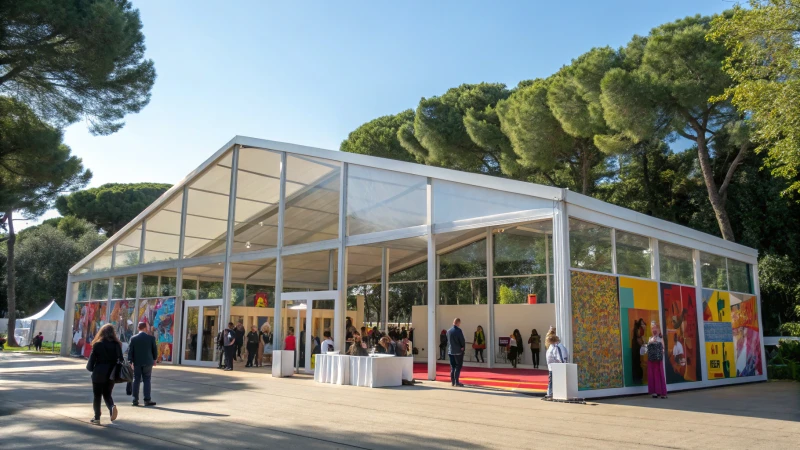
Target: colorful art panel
x=164, y=326
x=638, y=302
x=746, y=335
x=596, y=331
x=718, y=332
x=716, y=306
x=87, y=320
x=681, y=333
x=122, y=318
x=159, y=315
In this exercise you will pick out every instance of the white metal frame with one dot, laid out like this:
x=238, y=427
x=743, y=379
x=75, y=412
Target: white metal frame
x=565, y=204
x=201, y=304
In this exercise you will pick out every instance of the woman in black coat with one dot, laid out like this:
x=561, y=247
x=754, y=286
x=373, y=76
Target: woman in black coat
x=106, y=351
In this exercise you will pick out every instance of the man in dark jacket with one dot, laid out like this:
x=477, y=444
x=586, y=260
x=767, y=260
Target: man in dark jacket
x=455, y=349
x=142, y=354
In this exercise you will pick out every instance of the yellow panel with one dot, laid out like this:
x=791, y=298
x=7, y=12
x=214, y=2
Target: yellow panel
x=719, y=360
x=718, y=304
x=645, y=292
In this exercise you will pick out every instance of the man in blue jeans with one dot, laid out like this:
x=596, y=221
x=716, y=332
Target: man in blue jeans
x=142, y=354
x=455, y=349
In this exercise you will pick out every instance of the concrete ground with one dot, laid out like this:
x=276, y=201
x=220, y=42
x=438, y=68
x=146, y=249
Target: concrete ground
x=45, y=403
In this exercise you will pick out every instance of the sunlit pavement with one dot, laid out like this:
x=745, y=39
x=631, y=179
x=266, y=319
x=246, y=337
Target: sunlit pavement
x=45, y=402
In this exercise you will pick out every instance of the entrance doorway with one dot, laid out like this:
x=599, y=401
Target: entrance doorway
x=298, y=307
x=201, y=325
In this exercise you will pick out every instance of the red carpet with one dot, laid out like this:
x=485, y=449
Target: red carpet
x=480, y=376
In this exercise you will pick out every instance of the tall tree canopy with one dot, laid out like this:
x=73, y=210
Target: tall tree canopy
x=44, y=255
x=378, y=137
x=439, y=137
x=110, y=206
x=763, y=61
x=541, y=143
x=75, y=59
x=679, y=73
x=35, y=167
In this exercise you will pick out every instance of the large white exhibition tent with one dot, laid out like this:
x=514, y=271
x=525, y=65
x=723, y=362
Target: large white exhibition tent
x=49, y=321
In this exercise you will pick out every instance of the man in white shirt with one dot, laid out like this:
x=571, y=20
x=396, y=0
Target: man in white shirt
x=327, y=344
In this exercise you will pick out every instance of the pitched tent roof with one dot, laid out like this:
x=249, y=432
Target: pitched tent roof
x=464, y=178
x=50, y=312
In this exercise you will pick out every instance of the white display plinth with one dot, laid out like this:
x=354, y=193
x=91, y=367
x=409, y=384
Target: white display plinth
x=565, y=381
x=282, y=363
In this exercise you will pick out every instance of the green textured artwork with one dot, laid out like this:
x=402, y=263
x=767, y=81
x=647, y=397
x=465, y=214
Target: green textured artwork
x=596, y=331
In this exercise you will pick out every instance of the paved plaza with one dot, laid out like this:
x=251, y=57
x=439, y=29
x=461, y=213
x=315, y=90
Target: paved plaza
x=45, y=403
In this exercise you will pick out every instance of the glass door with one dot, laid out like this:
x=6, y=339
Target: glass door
x=201, y=325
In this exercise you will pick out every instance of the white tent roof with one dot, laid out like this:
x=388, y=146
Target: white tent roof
x=51, y=312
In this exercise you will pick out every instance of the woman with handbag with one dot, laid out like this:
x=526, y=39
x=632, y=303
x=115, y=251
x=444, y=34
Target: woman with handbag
x=656, y=381
x=106, y=353
x=478, y=344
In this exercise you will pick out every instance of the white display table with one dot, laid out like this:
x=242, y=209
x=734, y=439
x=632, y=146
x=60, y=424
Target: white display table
x=565, y=381
x=282, y=363
x=367, y=371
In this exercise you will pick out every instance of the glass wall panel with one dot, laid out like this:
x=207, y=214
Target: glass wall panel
x=312, y=200
x=149, y=286
x=130, y=287
x=380, y=200
x=520, y=290
x=468, y=261
x=257, y=197
x=455, y=201
x=309, y=271
x=169, y=286
x=259, y=296
x=589, y=246
x=209, y=290
x=633, y=254
x=189, y=291
x=128, y=248
x=103, y=261
x=713, y=271
x=739, y=276
x=675, y=263
x=163, y=231
x=207, y=210
x=100, y=289
x=522, y=250
x=118, y=290
x=83, y=289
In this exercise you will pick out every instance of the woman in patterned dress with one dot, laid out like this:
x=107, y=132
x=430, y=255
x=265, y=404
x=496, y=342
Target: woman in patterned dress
x=656, y=381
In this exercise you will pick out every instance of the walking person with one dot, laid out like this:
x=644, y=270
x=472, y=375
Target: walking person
x=106, y=351
x=556, y=353
x=229, y=345
x=479, y=344
x=37, y=342
x=455, y=349
x=442, y=345
x=252, y=345
x=239, y=335
x=143, y=355
x=656, y=381
x=520, y=345
x=534, y=342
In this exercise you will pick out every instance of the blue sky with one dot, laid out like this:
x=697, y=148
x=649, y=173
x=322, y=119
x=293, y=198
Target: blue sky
x=311, y=72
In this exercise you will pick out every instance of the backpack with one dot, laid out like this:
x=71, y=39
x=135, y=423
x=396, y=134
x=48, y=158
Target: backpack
x=219, y=340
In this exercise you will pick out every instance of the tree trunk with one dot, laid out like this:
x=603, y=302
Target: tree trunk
x=11, y=283
x=584, y=173
x=717, y=202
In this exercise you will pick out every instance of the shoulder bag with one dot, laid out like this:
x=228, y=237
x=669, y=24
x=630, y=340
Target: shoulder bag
x=121, y=373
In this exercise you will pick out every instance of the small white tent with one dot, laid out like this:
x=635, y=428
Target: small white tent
x=48, y=321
